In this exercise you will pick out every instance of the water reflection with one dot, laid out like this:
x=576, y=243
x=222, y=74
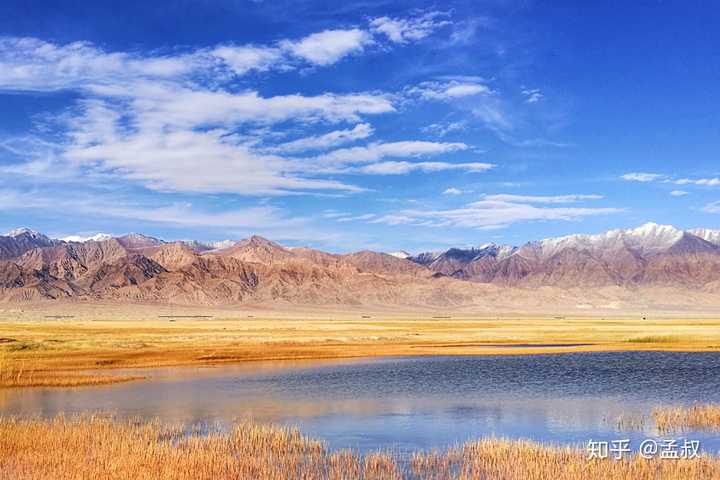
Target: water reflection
x=407, y=403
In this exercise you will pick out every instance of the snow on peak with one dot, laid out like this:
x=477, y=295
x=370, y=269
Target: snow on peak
x=400, y=254
x=25, y=231
x=221, y=244
x=712, y=236
x=218, y=245
x=426, y=258
x=656, y=233
x=99, y=237
x=648, y=238
x=499, y=251
x=207, y=246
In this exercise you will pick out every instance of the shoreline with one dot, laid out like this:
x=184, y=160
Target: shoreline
x=63, y=352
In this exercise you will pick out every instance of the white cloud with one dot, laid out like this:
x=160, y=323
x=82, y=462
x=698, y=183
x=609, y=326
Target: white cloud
x=642, y=177
x=678, y=193
x=494, y=118
x=652, y=177
x=177, y=122
x=377, y=151
x=264, y=220
x=173, y=129
x=463, y=78
x=442, y=129
x=184, y=214
x=35, y=65
x=162, y=152
x=445, y=91
x=329, y=46
x=366, y=216
x=244, y=58
x=487, y=214
x=465, y=90
x=532, y=95
x=404, y=30
x=713, y=207
x=540, y=198
x=401, y=168
x=168, y=161
x=452, y=191
x=464, y=32
x=328, y=140
x=159, y=105
x=333, y=214
x=708, y=182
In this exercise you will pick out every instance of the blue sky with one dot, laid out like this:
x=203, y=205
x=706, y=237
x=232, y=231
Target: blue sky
x=377, y=124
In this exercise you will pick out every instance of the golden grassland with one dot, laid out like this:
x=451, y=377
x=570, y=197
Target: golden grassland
x=84, y=344
x=695, y=417
x=97, y=447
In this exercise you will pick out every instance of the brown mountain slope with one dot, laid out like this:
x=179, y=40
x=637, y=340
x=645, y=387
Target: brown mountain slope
x=20, y=241
x=652, y=265
x=257, y=249
x=649, y=255
x=252, y=271
x=384, y=264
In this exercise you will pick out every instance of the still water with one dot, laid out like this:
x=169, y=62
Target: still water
x=412, y=402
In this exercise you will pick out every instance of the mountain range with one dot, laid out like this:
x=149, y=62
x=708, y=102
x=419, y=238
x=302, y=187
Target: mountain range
x=651, y=254
x=651, y=265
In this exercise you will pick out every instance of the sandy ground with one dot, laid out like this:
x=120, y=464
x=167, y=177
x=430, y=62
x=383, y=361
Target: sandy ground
x=52, y=346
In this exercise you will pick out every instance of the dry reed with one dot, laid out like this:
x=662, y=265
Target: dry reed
x=630, y=422
x=103, y=448
x=695, y=417
x=15, y=374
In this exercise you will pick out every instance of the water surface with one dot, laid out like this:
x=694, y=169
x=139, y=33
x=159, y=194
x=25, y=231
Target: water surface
x=412, y=402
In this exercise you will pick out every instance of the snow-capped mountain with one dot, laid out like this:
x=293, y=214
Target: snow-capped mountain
x=138, y=241
x=137, y=266
x=99, y=237
x=200, y=246
x=21, y=240
x=459, y=262
x=25, y=232
x=426, y=258
x=495, y=250
x=400, y=254
x=712, y=236
x=647, y=238
x=613, y=257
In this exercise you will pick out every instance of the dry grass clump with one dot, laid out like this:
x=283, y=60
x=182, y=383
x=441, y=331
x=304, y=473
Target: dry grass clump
x=695, y=417
x=630, y=422
x=16, y=374
x=103, y=448
x=511, y=460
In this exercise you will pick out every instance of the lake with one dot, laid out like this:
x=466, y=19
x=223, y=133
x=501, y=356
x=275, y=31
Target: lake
x=411, y=403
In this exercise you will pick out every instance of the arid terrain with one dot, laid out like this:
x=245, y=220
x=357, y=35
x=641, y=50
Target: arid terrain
x=74, y=311
x=653, y=268
x=72, y=344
